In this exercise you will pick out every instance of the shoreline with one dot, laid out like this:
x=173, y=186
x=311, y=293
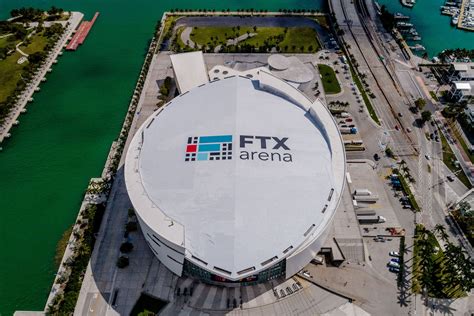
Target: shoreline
x=109, y=170
x=27, y=94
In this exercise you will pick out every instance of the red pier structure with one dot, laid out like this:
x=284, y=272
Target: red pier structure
x=81, y=33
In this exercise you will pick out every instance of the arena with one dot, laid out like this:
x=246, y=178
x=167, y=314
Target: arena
x=236, y=180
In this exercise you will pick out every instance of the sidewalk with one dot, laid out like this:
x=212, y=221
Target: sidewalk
x=27, y=94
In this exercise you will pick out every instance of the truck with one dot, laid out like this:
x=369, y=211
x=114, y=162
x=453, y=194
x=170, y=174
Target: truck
x=348, y=130
x=365, y=212
x=374, y=219
x=362, y=192
x=366, y=198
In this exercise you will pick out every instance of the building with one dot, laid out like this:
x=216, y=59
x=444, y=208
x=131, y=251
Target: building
x=461, y=91
x=461, y=72
x=237, y=180
x=469, y=111
x=189, y=70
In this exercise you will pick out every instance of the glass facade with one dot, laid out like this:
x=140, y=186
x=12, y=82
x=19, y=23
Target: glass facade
x=275, y=271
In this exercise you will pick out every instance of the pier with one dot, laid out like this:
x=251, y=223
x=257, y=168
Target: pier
x=81, y=33
x=466, y=17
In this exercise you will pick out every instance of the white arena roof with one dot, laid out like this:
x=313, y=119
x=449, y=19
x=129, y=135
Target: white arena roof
x=235, y=208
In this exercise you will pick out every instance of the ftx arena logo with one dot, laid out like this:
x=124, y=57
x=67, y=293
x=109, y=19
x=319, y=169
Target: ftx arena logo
x=220, y=147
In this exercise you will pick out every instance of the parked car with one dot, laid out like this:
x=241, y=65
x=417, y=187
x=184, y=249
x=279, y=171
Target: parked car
x=427, y=157
x=395, y=260
x=376, y=157
x=450, y=178
x=408, y=130
x=437, y=139
x=394, y=269
x=400, y=114
x=397, y=128
x=348, y=120
x=394, y=254
x=393, y=264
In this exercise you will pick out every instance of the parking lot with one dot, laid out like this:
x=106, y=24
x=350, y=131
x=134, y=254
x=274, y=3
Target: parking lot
x=363, y=176
x=379, y=257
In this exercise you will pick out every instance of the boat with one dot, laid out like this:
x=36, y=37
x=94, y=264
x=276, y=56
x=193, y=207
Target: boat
x=400, y=16
x=408, y=3
x=418, y=47
x=454, y=20
x=404, y=24
x=417, y=38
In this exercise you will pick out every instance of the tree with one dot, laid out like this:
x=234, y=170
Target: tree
x=123, y=262
x=126, y=247
x=37, y=57
x=440, y=230
x=387, y=18
x=425, y=116
x=420, y=103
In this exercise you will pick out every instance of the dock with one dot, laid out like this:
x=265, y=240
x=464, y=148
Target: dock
x=465, y=14
x=81, y=33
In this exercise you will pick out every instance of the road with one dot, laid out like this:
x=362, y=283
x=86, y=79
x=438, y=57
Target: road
x=395, y=86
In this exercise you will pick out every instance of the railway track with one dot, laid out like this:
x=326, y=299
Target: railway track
x=363, y=15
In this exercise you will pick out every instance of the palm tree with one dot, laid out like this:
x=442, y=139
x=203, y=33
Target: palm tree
x=440, y=230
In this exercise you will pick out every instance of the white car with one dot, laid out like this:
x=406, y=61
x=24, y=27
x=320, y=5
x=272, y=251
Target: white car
x=394, y=254
x=393, y=264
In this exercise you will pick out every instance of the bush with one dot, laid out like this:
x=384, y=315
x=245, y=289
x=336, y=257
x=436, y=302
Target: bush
x=126, y=247
x=131, y=226
x=123, y=262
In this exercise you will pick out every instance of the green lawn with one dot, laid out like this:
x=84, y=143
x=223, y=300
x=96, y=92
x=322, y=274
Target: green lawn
x=9, y=75
x=38, y=42
x=296, y=39
x=449, y=158
x=328, y=77
x=4, y=41
x=9, y=69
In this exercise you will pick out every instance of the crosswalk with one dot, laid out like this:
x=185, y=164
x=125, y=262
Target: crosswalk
x=282, y=297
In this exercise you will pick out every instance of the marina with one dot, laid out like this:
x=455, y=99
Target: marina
x=462, y=13
x=408, y=32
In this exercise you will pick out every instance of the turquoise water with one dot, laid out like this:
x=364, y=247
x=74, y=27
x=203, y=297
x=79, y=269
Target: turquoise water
x=435, y=29
x=64, y=138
